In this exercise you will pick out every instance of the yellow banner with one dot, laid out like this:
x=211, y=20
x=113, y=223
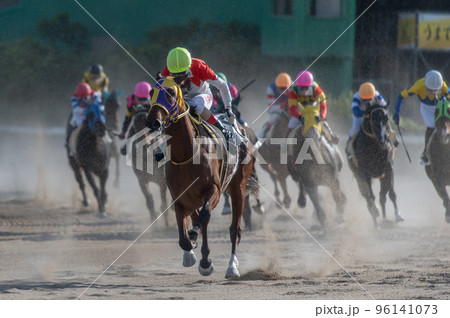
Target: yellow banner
x=406, y=31
x=434, y=32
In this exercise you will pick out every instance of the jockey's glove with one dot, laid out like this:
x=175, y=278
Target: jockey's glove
x=230, y=116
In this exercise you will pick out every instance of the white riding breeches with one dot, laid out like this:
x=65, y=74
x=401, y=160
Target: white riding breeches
x=200, y=102
x=294, y=123
x=356, y=127
x=427, y=114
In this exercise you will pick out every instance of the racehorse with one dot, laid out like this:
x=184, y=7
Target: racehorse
x=373, y=158
x=321, y=170
x=92, y=156
x=278, y=170
x=438, y=152
x=112, y=124
x=197, y=174
x=143, y=173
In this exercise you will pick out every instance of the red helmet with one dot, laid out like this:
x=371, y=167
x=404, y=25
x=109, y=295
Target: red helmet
x=83, y=90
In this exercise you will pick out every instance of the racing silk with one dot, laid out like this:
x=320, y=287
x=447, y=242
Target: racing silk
x=79, y=106
x=275, y=99
x=217, y=103
x=198, y=80
x=420, y=90
x=358, y=107
x=315, y=94
x=98, y=84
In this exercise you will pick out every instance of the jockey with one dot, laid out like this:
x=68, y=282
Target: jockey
x=217, y=104
x=140, y=98
x=194, y=77
x=306, y=91
x=96, y=78
x=83, y=97
x=277, y=100
x=367, y=96
x=429, y=90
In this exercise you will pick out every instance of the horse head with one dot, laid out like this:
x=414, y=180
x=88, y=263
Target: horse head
x=166, y=104
x=311, y=125
x=140, y=117
x=442, y=121
x=375, y=125
x=95, y=120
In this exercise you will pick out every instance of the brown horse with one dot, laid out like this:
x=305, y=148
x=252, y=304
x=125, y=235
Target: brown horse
x=142, y=172
x=438, y=153
x=197, y=174
x=278, y=170
x=112, y=124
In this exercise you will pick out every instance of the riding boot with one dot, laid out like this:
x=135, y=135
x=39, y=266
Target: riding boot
x=423, y=156
x=226, y=132
x=333, y=138
x=349, y=149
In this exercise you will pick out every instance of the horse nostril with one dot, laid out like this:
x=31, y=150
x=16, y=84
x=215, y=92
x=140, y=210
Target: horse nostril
x=153, y=124
x=156, y=125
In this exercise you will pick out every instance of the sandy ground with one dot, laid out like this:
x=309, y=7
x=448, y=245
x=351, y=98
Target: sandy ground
x=52, y=248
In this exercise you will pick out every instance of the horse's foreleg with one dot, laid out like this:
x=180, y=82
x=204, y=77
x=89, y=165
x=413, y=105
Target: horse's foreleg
x=79, y=177
x=247, y=214
x=439, y=185
x=339, y=197
x=91, y=181
x=365, y=187
x=103, y=195
x=286, y=197
x=116, y=155
x=387, y=185
x=314, y=196
x=205, y=267
x=301, y=201
x=185, y=243
x=164, y=203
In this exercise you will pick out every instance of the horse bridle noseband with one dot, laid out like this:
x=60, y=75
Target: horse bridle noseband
x=370, y=134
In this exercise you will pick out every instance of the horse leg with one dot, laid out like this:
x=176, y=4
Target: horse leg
x=164, y=203
x=116, y=156
x=206, y=266
x=301, y=201
x=365, y=187
x=339, y=197
x=91, y=181
x=286, y=197
x=103, y=196
x=184, y=241
x=145, y=188
x=226, y=205
x=439, y=185
x=387, y=185
x=314, y=196
x=78, y=176
x=247, y=214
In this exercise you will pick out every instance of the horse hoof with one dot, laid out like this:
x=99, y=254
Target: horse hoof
x=189, y=258
x=206, y=271
x=232, y=271
x=226, y=210
x=399, y=218
x=102, y=215
x=287, y=202
x=301, y=202
x=85, y=203
x=259, y=208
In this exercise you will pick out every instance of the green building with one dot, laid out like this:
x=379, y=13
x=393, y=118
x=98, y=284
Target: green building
x=299, y=29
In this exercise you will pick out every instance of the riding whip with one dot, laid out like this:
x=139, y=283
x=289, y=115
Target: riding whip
x=403, y=142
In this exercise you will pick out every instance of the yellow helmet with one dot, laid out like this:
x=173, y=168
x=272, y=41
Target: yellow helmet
x=178, y=60
x=283, y=80
x=367, y=91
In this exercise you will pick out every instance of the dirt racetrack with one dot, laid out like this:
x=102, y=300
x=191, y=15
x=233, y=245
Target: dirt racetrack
x=51, y=248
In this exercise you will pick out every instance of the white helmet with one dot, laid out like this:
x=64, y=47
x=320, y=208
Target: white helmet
x=433, y=80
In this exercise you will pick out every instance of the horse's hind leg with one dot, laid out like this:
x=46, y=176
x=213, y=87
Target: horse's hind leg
x=164, y=203
x=387, y=185
x=79, y=177
x=91, y=181
x=145, y=188
x=247, y=214
x=103, y=196
x=115, y=154
x=439, y=185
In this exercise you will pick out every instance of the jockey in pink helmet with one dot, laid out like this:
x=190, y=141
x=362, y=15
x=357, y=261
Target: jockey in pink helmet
x=141, y=97
x=306, y=91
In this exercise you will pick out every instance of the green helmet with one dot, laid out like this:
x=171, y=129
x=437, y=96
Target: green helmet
x=178, y=60
x=222, y=76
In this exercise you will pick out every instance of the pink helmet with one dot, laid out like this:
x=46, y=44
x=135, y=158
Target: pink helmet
x=142, y=90
x=304, y=78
